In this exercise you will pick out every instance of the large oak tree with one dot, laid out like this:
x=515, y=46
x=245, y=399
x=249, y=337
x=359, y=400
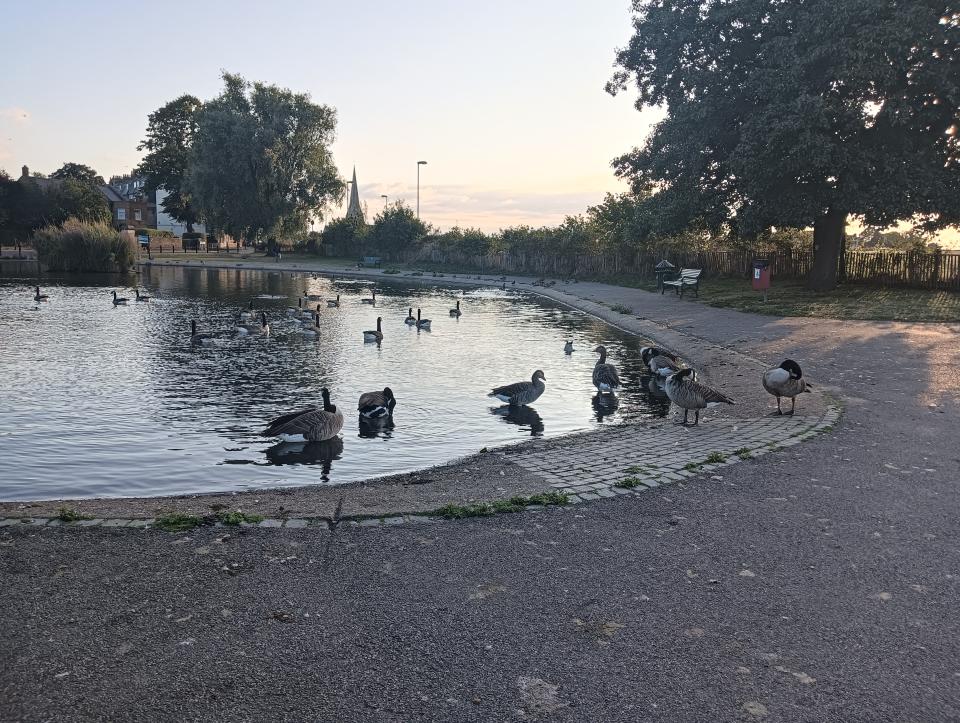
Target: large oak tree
x=797, y=113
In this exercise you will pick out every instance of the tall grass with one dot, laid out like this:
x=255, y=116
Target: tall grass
x=81, y=246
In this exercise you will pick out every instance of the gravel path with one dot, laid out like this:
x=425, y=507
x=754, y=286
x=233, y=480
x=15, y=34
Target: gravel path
x=818, y=583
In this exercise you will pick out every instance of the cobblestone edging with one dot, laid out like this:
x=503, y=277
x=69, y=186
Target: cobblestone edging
x=627, y=460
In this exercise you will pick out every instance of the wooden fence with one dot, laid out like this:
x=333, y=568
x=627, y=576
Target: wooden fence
x=907, y=269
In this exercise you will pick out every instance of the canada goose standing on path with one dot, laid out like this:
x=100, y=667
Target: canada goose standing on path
x=411, y=319
x=334, y=302
x=686, y=392
x=422, y=323
x=456, y=312
x=119, y=300
x=785, y=380
x=308, y=425
x=43, y=297
x=520, y=393
x=140, y=297
x=372, y=299
x=196, y=338
x=568, y=348
x=377, y=336
x=605, y=377
x=375, y=405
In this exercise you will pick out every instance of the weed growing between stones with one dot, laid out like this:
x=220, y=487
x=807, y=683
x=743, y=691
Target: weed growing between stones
x=235, y=518
x=621, y=309
x=692, y=466
x=715, y=458
x=628, y=483
x=177, y=522
x=743, y=453
x=514, y=504
x=69, y=514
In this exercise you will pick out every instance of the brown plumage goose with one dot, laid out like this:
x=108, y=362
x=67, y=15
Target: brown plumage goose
x=660, y=363
x=686, y=392
x=605, y=377
x=308, y=425
x=520, y=393
x=375, y=405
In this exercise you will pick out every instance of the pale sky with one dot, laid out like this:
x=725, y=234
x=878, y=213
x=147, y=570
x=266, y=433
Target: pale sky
x=503, y=99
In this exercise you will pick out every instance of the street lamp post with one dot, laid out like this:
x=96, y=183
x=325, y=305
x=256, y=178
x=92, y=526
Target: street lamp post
x=419, y=163
x=384, y=197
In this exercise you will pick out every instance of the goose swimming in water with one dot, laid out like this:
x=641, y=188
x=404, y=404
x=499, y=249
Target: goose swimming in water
x=568, y=348
x=196, y=338
x=294, y=310
x=660, y=363
x=422, y=323
x=249, y=314
x=520, y=393
x=43, y=297
x=262, y=328
x=334, y=302
x=119, y=300
x=312, y=297
x=376, y=405
x=456, y=312
x=372, y=299
x=377, y=336
x=605, y=377
x=141, y=297
x=411, y=319
x=308, y=425
x=785, y=380
x=312, y=330
x=686, y=392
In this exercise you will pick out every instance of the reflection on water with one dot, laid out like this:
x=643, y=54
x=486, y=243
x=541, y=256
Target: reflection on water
x=373, y=428
x=604, y=405
x=321, y=454
x=100, y=400
x=523, y=416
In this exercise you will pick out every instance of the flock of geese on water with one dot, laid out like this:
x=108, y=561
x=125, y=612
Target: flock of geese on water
x=319, y=424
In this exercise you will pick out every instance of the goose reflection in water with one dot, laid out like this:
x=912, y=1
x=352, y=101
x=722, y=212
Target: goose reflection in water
x=372, y=428
x=522, y=416
x=604, y=405
x=312, y=453
x=655, y=387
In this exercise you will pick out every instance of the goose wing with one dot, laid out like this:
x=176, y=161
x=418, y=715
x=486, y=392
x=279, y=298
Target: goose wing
x=372, y=399
x=314, y=424
x=664, y=365
x=707, y=394
x=511, y=390
x=606, y=374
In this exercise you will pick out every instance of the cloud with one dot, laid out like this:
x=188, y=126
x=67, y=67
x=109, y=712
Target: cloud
x=15, y=114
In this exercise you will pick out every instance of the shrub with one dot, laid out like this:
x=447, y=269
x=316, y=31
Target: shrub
x=81, y=246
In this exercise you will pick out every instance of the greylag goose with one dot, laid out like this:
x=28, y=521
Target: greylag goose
x=43, y=297
x=411, y=319
x=660, y=363
x=568, y=348
x=605, y=377
x=377, y=335
x=422, y=323
x=334, y=302
x=375, y=405
x=262, y=328
x=785, y=380
x=119, y=300
x=372, y=299
x=521, y=392
x=308, y=425
x=141, y=297
x=686, y=392
x=196, y=338
x=456, y=311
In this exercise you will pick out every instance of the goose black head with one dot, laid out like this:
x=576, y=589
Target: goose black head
x=601, y=350
x=379, y=319
x=388, y=392
x=193, y=328
x=791, y=366
x=539, y=375
x=263, y=318
x=325, y=393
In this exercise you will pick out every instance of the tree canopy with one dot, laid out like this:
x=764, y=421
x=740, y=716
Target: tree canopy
x=260, y=160
x=796, y=114
x=396, y=229
x=78, y=172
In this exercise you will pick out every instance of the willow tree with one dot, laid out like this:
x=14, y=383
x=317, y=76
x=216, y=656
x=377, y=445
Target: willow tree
x=797, y=113
x=260, y=161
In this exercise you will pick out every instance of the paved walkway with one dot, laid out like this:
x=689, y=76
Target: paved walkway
x=818, y=582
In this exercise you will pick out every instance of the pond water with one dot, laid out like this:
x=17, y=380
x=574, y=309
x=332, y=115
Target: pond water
x=97, y=400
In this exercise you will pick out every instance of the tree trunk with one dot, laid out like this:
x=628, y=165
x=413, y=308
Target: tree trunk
x=189, y=226
x=828, y=233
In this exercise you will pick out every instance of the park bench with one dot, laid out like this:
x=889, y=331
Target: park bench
x=369, y=261
x=686, y=279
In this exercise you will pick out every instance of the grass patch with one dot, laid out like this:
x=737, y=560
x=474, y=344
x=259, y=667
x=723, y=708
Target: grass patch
x=692, y=466
x=743, y=453
x=235, y=518
x=514, y=504
x=715, y=458
x=177, y=522
x=391, y=271
x=628, y=483
x=636, y=469
x=69, y=514
x=621, y=309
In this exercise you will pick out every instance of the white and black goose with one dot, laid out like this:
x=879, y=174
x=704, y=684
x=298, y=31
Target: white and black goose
x=313, y=329
x=374, y=335
x=372, y=299
x=377, y=405
x=334, y=303
x=422, y=323
x=257, y=328
x=37, y=296
x=312, y=297
x=249, y=314
x=308, y=425
x=411, y=320
x=786, y=380
x=605, y=377
x=520, y=393
x=141, y=297
x=456, y=311
x=661, y=363
x=686, y=392
x=198, y=338
x=295, y=310
x=119, y=300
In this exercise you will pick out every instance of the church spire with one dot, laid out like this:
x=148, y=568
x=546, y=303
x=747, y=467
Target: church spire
x=354, y=210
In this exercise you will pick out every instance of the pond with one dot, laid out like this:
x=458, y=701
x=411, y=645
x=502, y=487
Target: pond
x=98, y=400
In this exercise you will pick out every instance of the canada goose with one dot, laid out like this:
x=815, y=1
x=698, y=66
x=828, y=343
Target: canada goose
x=377, y=336
x=43, y=297
x=312, y=330
x=294, y=310
x=605, y=377
x=119, y=300
x=456, y=312
x=334, y=302
x=687, y=393
x=660, y=363
x=308, y=425
x=312, y=297
x=785, y=380
x=411, y=319
x=568, y=348
x=521, y=392
x=196, y=338
x=306, y=320
x=262, y=328
x=372, y=299
x=249, y=314
x=422, y=323
x=375, y=405
x=503, y=286
x=140, y=297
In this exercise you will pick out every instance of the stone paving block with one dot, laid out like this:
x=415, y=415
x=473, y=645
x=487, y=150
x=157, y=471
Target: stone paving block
x=89, y=523
x=589, y=496
x=9, y=521
x=141, y=523
x=116, y=523
x=606, y=493
x=394, y=520
x=39, y=521
x=55, y=523
x=271, y=523
x=295, y=522
x=369, y=523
